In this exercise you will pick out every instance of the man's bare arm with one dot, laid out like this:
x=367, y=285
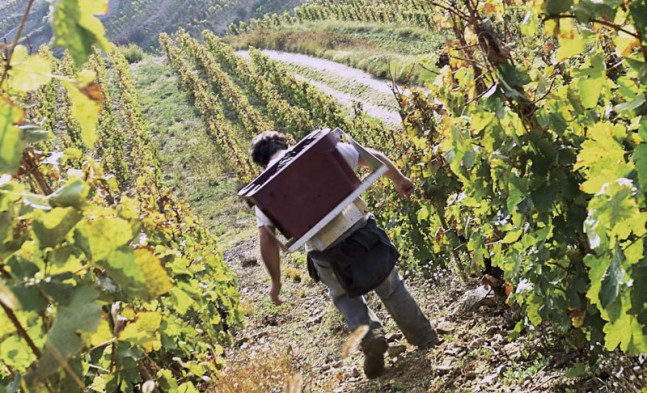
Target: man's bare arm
x=272, y=260
x=402, y=184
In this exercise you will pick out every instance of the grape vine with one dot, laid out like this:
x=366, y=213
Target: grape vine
x=530, y=151
x=104, y=284
x=235, y=101
x=210, y=107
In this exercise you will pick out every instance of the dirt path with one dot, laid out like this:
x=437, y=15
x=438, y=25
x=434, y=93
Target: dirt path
x=332, y=67
x=304, y=337
x=346, y=84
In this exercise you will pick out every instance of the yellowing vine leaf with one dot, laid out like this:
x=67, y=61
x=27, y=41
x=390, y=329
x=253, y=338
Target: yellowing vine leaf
x=86, y=104
x=570, y=42
x=158, y=281
x=76, y=27
x=625, y=43
x=10, y=136
x=602, y=157
x=27, y=72
x=100, y=237
x=614, y=215
x=144, y=331
x=101, y=335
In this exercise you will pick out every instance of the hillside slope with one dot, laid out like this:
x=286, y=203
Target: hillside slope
x=141, y=21
x=304, y=335
x=349, y=86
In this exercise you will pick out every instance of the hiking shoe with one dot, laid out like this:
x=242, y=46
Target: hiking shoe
x=374, y=357
x=431, y=342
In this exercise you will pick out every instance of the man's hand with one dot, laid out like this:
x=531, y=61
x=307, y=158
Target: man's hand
x=404, y=186
x=274, y=293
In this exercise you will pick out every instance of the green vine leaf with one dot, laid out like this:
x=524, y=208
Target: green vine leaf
x=27, y=72
x=612, y=279
x=625, y=332
x=52, y=227
x=556, y=7
x=591, y=81
x=76, y=28
x=11, y=137
x=80, y=314
x=73, y=194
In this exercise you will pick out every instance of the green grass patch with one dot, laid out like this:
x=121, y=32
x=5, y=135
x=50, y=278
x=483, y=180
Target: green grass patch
x=338, y=82
x=519, y=371
x=192, y=163
x=405, y=52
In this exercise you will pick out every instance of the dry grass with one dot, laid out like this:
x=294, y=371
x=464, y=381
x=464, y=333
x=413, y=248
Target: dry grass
x=294, y=384
x=264, y=369
x=246, y=306
x=292, y=273
x=353, y=341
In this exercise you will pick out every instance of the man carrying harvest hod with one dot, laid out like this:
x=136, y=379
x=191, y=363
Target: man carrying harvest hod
x=267, y=149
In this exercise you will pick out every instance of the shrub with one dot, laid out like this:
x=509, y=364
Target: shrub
x=132, y=52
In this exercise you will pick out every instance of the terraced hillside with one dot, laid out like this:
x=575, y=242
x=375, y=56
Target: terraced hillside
x=141, y=21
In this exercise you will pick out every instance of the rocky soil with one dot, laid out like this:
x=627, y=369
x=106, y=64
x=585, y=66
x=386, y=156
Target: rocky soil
x=303, y=337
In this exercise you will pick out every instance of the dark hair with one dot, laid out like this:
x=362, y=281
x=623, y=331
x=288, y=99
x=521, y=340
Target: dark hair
x=265, y=145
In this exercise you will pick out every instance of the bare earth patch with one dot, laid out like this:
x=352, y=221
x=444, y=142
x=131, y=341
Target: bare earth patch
x=304, y=337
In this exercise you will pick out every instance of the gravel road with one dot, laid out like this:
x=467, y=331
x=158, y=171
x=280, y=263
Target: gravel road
x=382, y=104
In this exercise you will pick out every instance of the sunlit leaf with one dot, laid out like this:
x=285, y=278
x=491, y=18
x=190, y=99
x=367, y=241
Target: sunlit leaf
x=11, y=137
x=614, y=214
x=85, y=111
x=603, y=157
x=571, y=42
x=144, y=331
x=591, y=81
x=28, y=72
x=626, y=332
x=101, y=237
x=76, y=27
x=102, y=334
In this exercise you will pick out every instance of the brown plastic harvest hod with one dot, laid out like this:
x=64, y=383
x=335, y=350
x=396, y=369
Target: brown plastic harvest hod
x=306, y=184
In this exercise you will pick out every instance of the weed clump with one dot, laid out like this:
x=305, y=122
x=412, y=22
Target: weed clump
x=133, y=53
x=256, y=370
x=293, y=274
